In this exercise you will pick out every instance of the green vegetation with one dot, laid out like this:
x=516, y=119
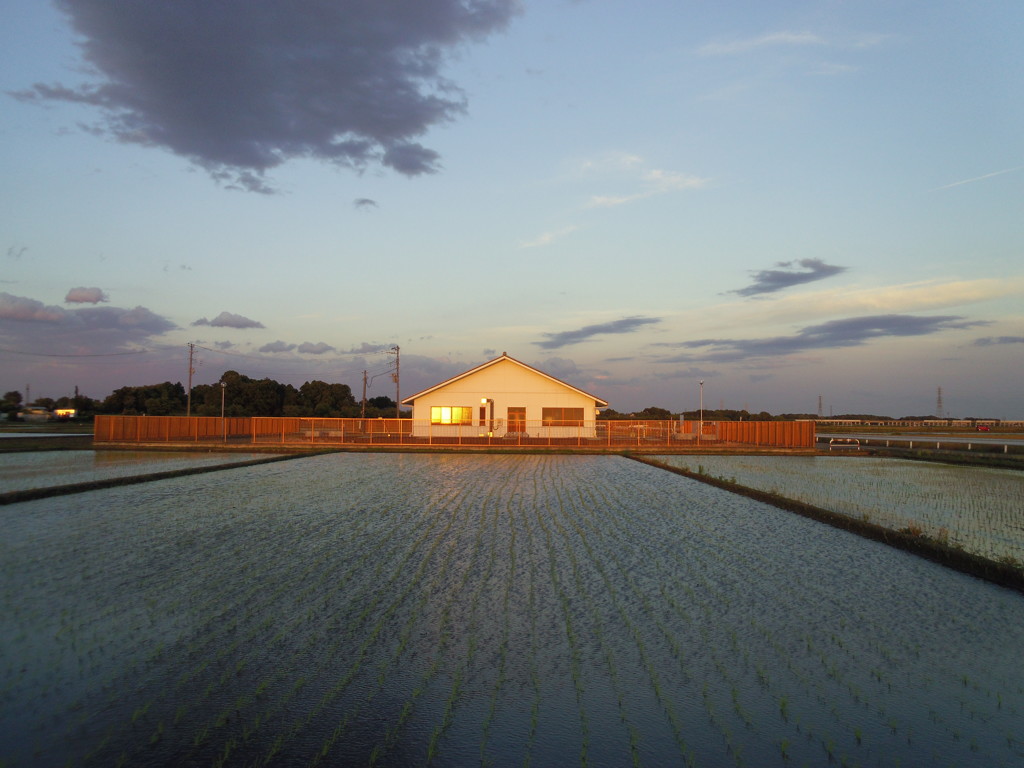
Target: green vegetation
x=242, y=396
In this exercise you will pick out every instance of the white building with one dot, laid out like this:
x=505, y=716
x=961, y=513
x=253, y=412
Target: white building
x=504, y=398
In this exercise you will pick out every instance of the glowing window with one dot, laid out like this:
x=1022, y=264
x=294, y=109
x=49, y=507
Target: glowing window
x=450, y=414
x=562, y=417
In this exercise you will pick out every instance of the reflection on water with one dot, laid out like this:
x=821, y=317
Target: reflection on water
x=508, y=610
x=43, y=469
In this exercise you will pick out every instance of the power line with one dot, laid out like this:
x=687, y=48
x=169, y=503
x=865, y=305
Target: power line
x=298, y=374
x=94, y=354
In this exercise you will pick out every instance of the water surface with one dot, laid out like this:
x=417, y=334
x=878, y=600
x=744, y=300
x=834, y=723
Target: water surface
x=404, y=609
x=43, y=469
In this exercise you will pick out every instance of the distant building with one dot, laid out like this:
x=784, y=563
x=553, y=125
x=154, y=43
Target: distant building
x=503, y=398
x=35, y=413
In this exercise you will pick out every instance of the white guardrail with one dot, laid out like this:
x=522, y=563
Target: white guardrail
x=947, y=443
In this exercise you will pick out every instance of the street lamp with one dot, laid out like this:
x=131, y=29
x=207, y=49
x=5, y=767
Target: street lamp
x=223, y=424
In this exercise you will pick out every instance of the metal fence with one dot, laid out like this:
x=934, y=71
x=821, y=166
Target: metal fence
x=313, y=432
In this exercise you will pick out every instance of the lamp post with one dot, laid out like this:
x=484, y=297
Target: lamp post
x=223, y=424
x=488, y=404
x=700, y=429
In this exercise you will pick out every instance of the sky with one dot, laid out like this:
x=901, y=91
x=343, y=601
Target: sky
x=810, y=206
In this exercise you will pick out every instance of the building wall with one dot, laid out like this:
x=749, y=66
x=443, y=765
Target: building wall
x=507, y=384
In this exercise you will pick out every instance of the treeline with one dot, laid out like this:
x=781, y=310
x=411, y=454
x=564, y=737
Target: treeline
x=240, y=396
x=243, y=396
x=720, y=414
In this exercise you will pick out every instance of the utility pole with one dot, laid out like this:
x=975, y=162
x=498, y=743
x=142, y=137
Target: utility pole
x=700, y=429
x=191, y=370
x=363, y=416
x=398, y=387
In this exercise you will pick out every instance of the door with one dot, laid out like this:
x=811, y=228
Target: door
x=516, y=418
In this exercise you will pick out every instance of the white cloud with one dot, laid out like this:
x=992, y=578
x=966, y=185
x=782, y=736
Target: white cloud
x=979, y=178
x=654, y=182
x=733, y=47
x=611, y=161
x=549, y=237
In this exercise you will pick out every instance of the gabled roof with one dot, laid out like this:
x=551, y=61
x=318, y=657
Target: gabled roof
x=504, y=358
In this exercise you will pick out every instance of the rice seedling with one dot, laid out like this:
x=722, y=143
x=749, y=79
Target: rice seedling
x=966, y=507
x=581, y=574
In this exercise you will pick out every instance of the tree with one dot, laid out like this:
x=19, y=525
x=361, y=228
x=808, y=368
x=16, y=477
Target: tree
x=652, y=412
x=10, y=404
x=242, y=396
x=325, y=400
x=153, y=400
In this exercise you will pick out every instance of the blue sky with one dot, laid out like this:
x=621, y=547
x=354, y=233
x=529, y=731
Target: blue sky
x=786, y=200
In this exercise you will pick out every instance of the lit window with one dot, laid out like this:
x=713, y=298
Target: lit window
x=562, y=417
x=450, y=414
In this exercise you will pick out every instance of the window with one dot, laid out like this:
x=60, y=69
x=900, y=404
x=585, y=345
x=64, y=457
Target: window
x=455, y=414
x=562, y=417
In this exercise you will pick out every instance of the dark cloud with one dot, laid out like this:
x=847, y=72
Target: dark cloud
x=33, y=327
x=561, y=368
x=363, y=203
x=625, y=325
x=320, y=348
x=241, y=86
x=138, y=320
x=28, y=310
x=835, y=334
x=229, y=320
x=991, y=340
x=368, y=349
x=771, y=280
x=277, y=346
x=84, y=295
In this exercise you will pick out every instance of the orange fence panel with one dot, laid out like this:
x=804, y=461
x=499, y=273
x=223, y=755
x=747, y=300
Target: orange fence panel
x=297, y=431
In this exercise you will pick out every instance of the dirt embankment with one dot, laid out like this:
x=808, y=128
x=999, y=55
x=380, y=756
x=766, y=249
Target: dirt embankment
x=30, y=442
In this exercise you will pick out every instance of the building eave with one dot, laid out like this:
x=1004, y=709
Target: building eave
x=598, y=402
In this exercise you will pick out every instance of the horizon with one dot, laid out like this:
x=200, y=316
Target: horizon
x=809, y=208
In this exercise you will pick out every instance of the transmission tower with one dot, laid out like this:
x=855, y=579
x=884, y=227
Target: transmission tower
x=821, y=408
x=938, y=405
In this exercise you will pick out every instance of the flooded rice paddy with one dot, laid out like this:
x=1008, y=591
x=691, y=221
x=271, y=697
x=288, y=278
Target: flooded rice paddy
x=43, y=469
x=978, y=509
x=396, y=609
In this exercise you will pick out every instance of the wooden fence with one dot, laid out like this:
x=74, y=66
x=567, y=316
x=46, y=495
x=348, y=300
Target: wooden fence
x=313, y=432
